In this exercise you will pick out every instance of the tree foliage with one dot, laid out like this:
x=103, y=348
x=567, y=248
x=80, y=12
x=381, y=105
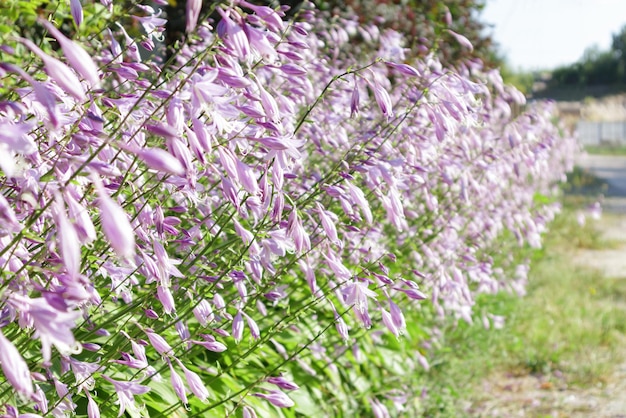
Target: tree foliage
x=596, y=67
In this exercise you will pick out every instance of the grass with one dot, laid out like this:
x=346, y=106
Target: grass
x=582, y=184
x=567, y=331
x=606, y=149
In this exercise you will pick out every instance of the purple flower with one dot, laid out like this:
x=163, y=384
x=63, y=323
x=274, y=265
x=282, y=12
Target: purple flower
x=178, y=385
x=248, y=412
x=77, y=14
x=354, y=100
x=125, y=394
x=161, y=160
x=68, y=241
x=267, y=14
x=388, y=322
x=342, y=328
x=59, y=72
x=238, y=327
x=283, y=383
x=203, y=312
x=296, y=231
x=115, y=224
x=211, y=345
x=277, y=398
x=192, y=13
x=359, y=199
x=83, y=224
x=195, y=383
x=378, y=409
x=357, y=294
x=383, y=99
x=462, y=40
x=14, y=368
x=158, y=342
x=166, y=298
x=52, y=326
x=77, y=57
x=233, y=33
x=254, y=328
x=328, y=223
x=8, y=220
x=92, y=407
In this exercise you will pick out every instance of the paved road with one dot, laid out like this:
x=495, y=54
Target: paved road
x=611, y=170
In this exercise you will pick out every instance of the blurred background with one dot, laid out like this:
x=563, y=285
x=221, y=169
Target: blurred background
x=572, y=51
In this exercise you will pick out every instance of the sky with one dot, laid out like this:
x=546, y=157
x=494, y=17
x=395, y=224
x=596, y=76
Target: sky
x=544, y=34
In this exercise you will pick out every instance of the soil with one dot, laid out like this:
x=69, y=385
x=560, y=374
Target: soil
x=509, y=394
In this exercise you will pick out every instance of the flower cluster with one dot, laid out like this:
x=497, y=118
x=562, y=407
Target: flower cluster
x=203, y=228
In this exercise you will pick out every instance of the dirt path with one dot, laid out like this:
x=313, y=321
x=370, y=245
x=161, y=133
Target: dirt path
x=507, y=394
x=510, y=394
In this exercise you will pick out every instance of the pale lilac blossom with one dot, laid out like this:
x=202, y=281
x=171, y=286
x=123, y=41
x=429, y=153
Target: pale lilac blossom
x=277, y=398
x=59, y=72
x=14, y=368
x=76, y=56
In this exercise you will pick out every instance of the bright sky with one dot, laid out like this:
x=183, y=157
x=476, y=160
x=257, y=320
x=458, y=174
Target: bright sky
x=543, y=34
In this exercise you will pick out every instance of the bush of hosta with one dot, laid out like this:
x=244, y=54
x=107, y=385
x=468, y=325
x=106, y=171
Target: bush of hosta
x=270, y=222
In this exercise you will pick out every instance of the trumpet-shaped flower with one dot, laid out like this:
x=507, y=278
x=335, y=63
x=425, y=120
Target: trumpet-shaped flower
x=15, y=368
x=59, y=72
x=115, y=224
x=77, y=57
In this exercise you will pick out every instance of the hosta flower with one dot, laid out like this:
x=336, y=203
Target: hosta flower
x=382, y=99
x=357, y=294
x=14, y=368
x=238, y=327
x=354, y=100
x=254, y=328
x=391, y=326
x=233, y=33
x=267, y=14
x=8, y=220
x=52, y=326
x=161, y=160
x=68, y=242
x=277, y=398
x=166, y=298
x=192, y=12
x=115, y=224
x=462, y=40
x=195, y=383
x=82, y=221
x=158, y=342
x=92, y=408
x=59, y=72
x=203, y=312
x=76, y=8
x=248, y=412
x=211, y=345
x=296, y=232
x=283, y=383
x=178, y=384
x=126, y=392
x=77, y=57
x=379, y=410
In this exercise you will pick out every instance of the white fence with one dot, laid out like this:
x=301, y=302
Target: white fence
x=596, y=133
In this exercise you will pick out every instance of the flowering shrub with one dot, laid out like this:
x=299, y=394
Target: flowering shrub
x=230, y=231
